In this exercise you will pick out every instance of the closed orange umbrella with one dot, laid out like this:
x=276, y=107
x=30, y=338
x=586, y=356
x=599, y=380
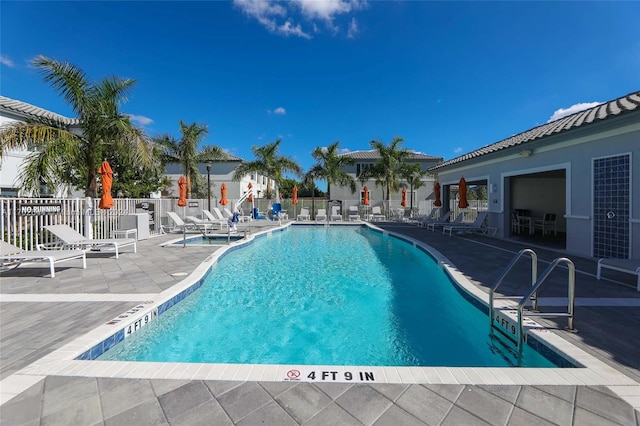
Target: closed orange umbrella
x=365, y=199
x=462, y=192
x=223, y=195
x=403, y=203
x=182, y=189
x=106, y=202
x=294, y=199
x=250, y=198
x=436, y=191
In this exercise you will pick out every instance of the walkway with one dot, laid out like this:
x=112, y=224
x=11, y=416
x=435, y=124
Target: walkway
x=40, y=314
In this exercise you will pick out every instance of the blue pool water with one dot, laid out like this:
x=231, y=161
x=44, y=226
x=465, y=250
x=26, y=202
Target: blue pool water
x=325, y=296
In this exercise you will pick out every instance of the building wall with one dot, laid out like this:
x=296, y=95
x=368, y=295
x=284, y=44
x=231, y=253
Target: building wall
x=376, y=192
x=573, y=153
x=220, y=173
x=11, y=163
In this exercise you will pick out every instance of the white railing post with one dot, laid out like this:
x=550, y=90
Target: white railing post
x=88, y=204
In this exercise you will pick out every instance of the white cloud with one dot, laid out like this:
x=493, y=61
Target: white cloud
x=279, y=111
x=563, y=112
x=353, y=28
x=280, y=17
x=140, y=119
x=264, y=11
x=288, y=29
x=457, y=150
x=343, y=150
x=324, y=9
x=6, y=61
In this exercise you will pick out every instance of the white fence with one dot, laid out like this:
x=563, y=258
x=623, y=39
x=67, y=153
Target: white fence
x=22, y=219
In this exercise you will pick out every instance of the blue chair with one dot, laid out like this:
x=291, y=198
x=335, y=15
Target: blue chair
x=276, y=211
x=257, y=215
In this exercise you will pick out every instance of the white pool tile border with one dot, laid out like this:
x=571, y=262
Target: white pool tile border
x=61, y=362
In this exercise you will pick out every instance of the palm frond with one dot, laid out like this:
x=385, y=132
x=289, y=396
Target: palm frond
x=66, y=79
x=24, y=136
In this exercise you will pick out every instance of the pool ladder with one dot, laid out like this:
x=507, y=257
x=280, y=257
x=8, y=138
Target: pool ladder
x=532, y=295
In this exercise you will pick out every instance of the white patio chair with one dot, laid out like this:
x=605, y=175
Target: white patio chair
x=213, y=219
x=431, y=217
x=321, y=215
x=203, y=226
x=303, y=215
x=335, y=213
x=177, y=224
x=440, y=223
x=476, y=226
x=353, y=213
x=12, y=257
x=71, y=238
x=376, y=214
x=629, y=266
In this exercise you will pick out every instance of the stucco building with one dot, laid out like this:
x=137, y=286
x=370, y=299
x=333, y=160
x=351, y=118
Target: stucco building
x=584, y=168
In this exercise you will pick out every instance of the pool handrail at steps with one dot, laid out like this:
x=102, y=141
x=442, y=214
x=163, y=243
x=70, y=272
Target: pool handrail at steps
x=532, y=294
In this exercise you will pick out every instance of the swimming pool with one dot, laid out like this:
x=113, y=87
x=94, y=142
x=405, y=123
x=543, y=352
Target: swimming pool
x=325, y=296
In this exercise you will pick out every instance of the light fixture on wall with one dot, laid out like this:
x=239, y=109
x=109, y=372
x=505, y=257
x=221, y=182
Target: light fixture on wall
x=526, y=153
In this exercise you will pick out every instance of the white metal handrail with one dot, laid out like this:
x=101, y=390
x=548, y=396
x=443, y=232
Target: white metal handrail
x=571, y=294
x=534, y=273
x=531, y=295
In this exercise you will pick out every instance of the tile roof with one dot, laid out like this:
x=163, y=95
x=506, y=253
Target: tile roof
x=606, y=110
x=231, y=157
x=372, y=154
x=34, y=112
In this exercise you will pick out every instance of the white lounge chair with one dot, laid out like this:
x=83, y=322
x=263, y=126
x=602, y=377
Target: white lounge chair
x=477, y=225
x=218, y=214
x=431, y=217
x=71, y=238
x=15, y=256
x=376, y=214
x=439, y=223
x=177, y=224
x=203, y=226
x=335, y=213
x=629, y=266
x=214, y=219
x=304, y=214
x=353, y=213
x=321, y=215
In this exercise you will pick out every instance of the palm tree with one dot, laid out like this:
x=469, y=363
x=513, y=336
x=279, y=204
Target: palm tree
x=185, y=151
x=388, y=168
x=413, y=175
x=329, y=167
x=66, y=157
x=268, y=163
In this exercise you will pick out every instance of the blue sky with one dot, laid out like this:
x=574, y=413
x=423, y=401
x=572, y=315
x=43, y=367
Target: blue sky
x=448, y=77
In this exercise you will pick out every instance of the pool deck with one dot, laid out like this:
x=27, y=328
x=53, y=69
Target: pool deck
x=39, y=315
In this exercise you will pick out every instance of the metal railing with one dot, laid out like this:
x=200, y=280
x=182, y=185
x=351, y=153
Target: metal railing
x=532, y=294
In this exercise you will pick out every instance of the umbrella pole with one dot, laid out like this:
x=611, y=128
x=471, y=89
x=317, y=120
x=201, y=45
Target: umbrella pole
x=184, y=230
